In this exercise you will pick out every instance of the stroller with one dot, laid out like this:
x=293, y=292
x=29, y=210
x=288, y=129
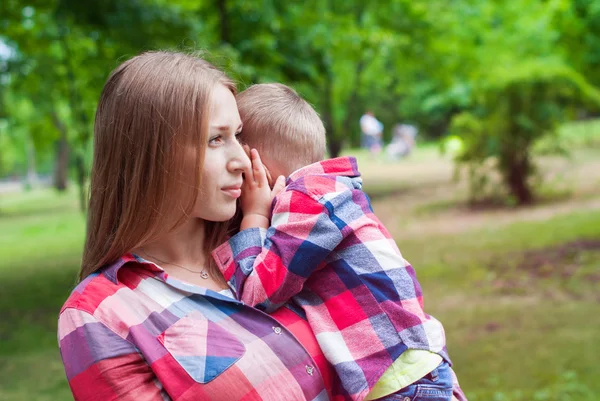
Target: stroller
x=403, y=141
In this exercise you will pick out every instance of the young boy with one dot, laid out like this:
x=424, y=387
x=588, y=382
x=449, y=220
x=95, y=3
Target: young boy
x=326, y=252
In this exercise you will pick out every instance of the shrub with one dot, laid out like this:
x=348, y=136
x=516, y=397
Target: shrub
x=513, y=108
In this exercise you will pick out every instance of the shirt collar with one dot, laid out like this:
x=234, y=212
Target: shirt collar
x=111, y=271
x=340, y=166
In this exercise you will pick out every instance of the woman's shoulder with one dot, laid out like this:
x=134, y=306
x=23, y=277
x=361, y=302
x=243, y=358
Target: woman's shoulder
x=79, y=310
x=107, y=302
x=96, y=288
x=88, y=293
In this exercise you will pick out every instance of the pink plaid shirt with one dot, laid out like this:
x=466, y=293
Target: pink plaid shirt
x=331, y=255
x=131, y=332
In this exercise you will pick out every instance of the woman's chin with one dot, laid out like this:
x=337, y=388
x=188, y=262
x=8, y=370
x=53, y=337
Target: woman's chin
x=221, y=216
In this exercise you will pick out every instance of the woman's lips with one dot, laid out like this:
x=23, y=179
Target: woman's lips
x=233, y=192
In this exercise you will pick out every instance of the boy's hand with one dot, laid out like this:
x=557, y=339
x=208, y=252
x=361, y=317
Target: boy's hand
x=257, y=196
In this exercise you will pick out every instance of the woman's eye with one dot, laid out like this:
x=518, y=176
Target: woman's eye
x=215, y=140
x=238, y=136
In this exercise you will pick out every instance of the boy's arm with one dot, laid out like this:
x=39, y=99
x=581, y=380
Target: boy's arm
x=267, y=268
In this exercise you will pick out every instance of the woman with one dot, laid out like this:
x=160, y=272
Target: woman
x=152, y=318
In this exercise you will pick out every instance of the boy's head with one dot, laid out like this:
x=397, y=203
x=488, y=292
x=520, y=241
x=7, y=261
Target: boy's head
x=283, y=127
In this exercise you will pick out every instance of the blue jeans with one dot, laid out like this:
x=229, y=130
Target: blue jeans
x=370, y=141
x=435, y=386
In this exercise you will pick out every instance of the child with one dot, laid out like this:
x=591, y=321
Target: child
x=328, y=253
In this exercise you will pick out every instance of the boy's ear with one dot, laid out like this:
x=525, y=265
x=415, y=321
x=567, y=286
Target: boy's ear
x=269, y=178
x=246, y=149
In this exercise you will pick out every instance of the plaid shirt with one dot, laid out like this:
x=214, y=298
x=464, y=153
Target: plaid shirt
x=329, y=252
x=135, y=333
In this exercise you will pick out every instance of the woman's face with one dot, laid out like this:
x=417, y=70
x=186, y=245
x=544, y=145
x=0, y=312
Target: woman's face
x=224, y=161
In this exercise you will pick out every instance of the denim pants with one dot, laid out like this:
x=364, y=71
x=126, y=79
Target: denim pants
x=438, y=385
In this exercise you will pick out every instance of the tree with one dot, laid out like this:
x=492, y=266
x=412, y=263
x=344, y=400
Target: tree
x=53, y=39
x=514, y=110
x=419, y=62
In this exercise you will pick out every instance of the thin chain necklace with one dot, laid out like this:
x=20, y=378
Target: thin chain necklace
x=203, y=273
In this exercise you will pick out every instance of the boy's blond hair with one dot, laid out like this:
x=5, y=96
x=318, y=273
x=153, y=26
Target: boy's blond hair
x=282, y=126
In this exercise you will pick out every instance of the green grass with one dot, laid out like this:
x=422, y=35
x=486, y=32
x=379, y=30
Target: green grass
x=581, y=133
x=512, y=334
x=515, y=342
x=41, y=236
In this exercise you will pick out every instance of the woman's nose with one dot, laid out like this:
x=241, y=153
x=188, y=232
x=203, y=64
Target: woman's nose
x=239, y=161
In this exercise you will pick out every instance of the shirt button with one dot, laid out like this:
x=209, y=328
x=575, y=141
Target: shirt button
x=406, y=399
x=277, y=330
x=310, y=370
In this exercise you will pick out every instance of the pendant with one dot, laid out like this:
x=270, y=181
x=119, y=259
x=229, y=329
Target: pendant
x=204, y=274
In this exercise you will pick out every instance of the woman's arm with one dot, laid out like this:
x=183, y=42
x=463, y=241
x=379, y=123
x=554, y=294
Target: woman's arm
x=100, y=365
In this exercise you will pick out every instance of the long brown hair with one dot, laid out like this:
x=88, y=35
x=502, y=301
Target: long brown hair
x=152, y=111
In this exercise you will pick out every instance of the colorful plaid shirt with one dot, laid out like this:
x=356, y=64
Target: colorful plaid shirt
x=327, y=251
x=134, y=333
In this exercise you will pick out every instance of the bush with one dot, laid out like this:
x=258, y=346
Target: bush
x=512, y=110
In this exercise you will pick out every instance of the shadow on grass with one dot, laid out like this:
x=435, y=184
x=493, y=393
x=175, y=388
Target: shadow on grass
x=30, y=302
x=570, y=269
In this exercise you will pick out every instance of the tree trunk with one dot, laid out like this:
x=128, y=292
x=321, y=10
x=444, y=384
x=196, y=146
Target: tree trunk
x=81, y=176
x=516, y=175
x=223, y=21
x=31, y=180
x=334, y=144
x=61, y=166
x=335, y=148
x=80, y=120
x=353, y=113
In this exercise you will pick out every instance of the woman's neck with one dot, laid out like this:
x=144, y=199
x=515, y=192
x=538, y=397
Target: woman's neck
x=182, y=247
x=182, y=255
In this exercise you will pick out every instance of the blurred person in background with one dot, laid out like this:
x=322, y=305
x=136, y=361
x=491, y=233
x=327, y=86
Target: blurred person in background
x=372, y=131
x=153, y=318
x=403, y=141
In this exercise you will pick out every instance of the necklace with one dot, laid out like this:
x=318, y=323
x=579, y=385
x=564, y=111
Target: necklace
x=203, y=273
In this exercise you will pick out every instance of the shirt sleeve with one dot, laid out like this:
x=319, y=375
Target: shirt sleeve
x=266, y=269
x=100, y=365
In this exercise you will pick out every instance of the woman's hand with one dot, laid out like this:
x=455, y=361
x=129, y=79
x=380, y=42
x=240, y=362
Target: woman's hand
x=257, y=195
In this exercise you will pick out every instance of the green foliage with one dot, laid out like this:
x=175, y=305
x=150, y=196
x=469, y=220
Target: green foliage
x=62, y=52
x=579, y=27
x=409, y=61
x=514, y=108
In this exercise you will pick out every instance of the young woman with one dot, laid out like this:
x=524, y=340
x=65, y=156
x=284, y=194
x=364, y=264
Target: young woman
x=152, y=318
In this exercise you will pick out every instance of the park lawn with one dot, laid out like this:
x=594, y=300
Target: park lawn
x=515, y=331
x=41, y=236
x=517, y=334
